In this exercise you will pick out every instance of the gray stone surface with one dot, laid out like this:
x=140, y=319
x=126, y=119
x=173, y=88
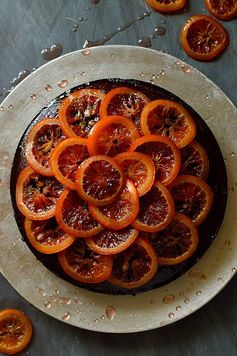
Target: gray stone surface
x=27, y=27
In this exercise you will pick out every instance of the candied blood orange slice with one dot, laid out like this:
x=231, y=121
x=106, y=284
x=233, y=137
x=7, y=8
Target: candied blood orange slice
x=111, y=136
x=84, y=265
x=156, y=209
x=46, y=236
x=125, y=102
x=73, y=216
x=167, y=5
x=41, y=141
x=99, y=180
x=222, y=9
x=122, y=212
x=36, y=195
x=79, y=112
x=139, y=168
x=66, y=158
x=177, y=242
x=135, y=266
x=110, y=242
x=193, y=197
x=163, y=152
x=170, y=119
x=15, y=331
x=194, y=160
x=203, y=38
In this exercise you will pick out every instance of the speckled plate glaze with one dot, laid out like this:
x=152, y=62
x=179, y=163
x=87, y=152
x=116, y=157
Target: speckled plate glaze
x=90, y=310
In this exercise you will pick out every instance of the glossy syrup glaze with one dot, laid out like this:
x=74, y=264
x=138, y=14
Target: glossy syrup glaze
x=217, y=180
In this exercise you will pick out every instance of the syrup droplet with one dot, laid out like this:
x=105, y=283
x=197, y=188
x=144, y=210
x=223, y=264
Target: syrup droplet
x=233, y=269
x=198, y=275
x=10, y=107
x=47, y=305
x=110, y=312
x=168, y=299
x=199, y=292
x=61, y=300
x=4, y=160
x=75, y=27
x=5, y=91
x=145, y=42
x=63, y=83
x=1, y=108
x=160, y=31
x=219, y=279
x=206, y=97
x=162, y=72
x=52, y=52
x=185, y=68
x=56, y=291
x=186, y=301
x=41, y=292
x=178, y=307
x=77, y=301
x=96, y=320
x=22, y=75
x=66, y=316
x=48, y=87
x=33, y=96
x=171, y=315
x=85, y=52
x=82, y=74
x=232, y=154
x=15, y=242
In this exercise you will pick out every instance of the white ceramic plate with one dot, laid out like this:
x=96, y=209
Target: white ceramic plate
x=87, y=309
